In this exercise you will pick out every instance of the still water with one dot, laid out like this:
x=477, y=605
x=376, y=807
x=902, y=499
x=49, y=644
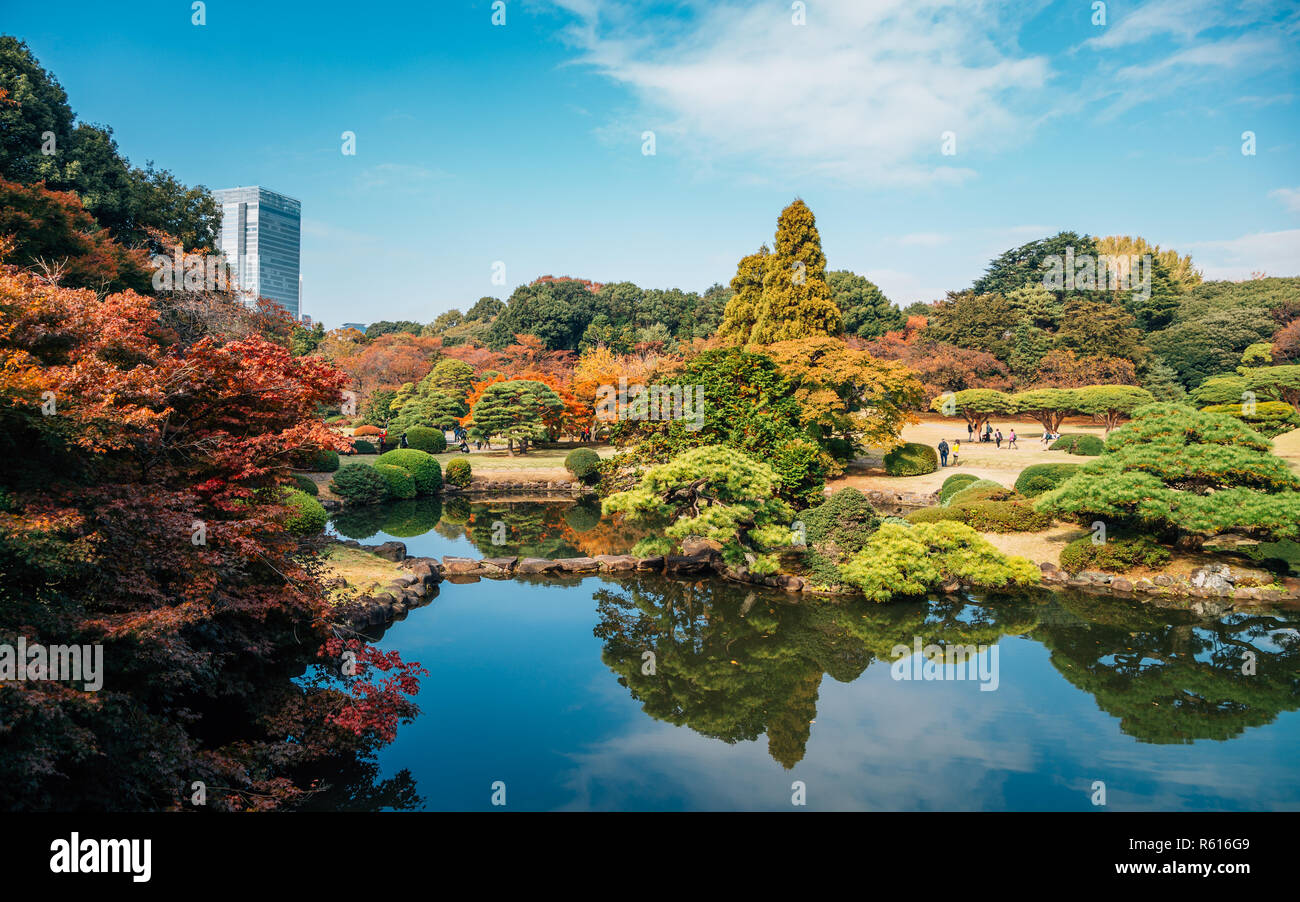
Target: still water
x=546, y=687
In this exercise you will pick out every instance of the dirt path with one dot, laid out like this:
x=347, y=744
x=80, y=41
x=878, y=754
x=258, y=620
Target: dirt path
x=986, y=461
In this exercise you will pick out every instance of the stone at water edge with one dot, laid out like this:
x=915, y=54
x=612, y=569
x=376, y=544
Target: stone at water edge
x=536, y=565
x=455, y=566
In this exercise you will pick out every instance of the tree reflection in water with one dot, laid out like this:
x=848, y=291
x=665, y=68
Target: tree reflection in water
x=734, y=664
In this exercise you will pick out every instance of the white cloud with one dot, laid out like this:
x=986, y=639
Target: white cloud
x=1274, y=253
x=1290, y=198
x=862, y=92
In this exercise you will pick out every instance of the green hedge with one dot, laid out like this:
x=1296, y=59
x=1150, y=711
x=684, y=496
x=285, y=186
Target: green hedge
x=1038, y=478
x=401, y=484
x=979, y=490
x=359, y=484
x=458, y=473
x=582, y=463
x=986, y=516
x=911, y=459
x=427, y=439
x=954, y=484
x=1084, y=444
x=420, y=464
x=1114, y=555
x=361, y=446
x=306, y=515
x=306, y=484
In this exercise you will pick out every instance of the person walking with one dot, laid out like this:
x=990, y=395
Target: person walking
x=970, y=432
x=943, y=453
x=383, y=439
x=956, y=449
x=998, y=439
x=401, y=443
x=1011, y=440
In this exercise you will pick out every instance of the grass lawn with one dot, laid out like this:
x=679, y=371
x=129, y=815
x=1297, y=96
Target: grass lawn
x=364, y=571
x=539, y=465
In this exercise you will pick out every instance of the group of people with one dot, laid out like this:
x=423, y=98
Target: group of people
x=992, y=436
x=945, y=450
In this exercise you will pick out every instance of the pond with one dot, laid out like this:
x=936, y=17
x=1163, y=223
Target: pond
x=747, y=697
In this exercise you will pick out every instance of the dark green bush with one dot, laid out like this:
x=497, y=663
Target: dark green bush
x=800, y=466
x=1115, y=555
x=458, y=473
x=841, y=449
x=426, y=438
x=420, y=464
x=911, y=459
x=324, y=461
x=835, y=530
x=359, y=484
x=306, y=484
x=1039, y=478
x=361, y=446
x=954, y=484
x=1079, y=444
x=401, y=484
x=306, y=515
x=582, y=463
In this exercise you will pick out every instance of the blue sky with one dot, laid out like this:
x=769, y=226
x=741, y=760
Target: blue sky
x=523, y=143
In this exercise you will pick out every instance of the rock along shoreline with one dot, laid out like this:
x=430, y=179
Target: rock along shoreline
x=1210, y=591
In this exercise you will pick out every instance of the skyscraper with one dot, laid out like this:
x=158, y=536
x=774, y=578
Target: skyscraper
x=261, y=237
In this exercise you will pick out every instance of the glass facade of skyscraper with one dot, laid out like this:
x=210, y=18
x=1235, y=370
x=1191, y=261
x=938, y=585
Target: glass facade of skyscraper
x=261, y=237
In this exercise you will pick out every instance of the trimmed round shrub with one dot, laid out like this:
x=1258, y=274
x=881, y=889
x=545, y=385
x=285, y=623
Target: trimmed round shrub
x=1116, y=555
x=911, y=459
x=367, y=429
x=306, y=484
x=979, y=490
x=458, y=473
x=954, y=484
x=1038, y=478
x=426, y=438
x=582, y=463
x=401, y=484
x=326, y=461
x=306, y=515
x=420, y=464
x=359, y=484
x=1083, y=444
x=361, y=446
